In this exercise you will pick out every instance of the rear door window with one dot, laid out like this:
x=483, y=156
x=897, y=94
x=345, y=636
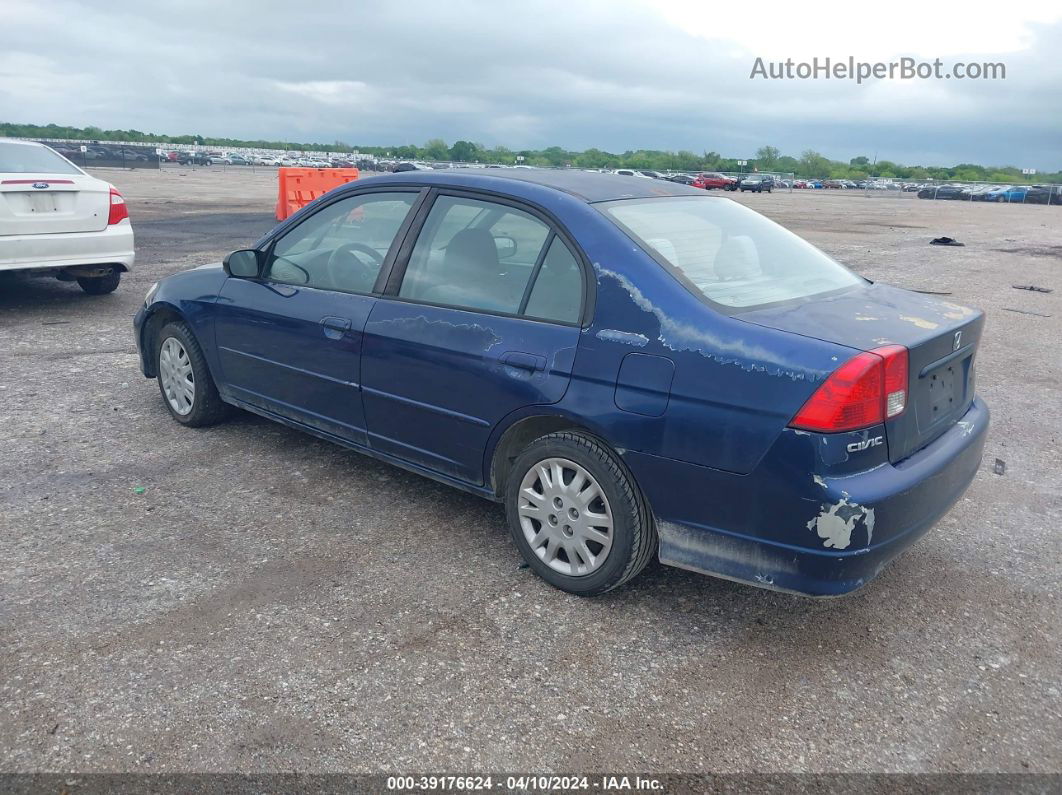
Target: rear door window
x=474, y=254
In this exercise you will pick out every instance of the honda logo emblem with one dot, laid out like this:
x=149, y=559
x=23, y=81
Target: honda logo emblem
x=958, y=341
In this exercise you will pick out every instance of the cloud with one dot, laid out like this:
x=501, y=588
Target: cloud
x=618, y=75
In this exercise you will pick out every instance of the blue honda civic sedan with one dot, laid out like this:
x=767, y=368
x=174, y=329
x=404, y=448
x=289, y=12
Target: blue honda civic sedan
x=631, y=366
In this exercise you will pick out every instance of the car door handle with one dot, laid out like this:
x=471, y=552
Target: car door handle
x=335, y=327
x=524, y=361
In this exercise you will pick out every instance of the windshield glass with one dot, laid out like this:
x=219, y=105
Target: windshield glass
x=733, y=255
x=26, y=159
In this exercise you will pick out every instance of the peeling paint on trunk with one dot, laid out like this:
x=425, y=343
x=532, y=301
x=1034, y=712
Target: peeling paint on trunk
x=920, y=322
x=835, y=523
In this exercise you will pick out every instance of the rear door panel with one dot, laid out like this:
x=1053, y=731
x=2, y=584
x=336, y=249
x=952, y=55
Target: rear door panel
x=436, y=380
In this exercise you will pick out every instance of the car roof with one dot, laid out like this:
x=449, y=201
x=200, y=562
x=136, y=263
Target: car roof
x=585, y=185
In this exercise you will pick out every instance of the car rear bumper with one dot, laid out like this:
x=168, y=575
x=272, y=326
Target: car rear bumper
x=112, y=246
x=827, y=538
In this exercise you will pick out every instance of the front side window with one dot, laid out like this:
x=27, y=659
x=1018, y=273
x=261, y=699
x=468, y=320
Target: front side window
x=733, y=255
x=342, y=246
x=475, y=255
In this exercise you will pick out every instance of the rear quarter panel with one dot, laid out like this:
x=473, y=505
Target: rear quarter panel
x=735, y=385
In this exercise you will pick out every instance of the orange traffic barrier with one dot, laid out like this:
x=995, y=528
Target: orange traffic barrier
x=300, y=186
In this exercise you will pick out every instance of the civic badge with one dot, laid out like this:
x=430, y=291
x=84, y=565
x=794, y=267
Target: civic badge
x=41, y=185
x=958, y=341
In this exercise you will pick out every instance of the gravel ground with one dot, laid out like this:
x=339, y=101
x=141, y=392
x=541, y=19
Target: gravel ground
x=274, y=603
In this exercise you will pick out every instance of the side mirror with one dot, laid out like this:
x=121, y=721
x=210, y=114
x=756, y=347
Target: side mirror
x=242, y=264
x=506, y=246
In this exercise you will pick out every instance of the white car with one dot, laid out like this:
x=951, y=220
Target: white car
x=55, y=218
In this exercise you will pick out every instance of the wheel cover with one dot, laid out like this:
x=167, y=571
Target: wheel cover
x=175, y=372
x=565, y=517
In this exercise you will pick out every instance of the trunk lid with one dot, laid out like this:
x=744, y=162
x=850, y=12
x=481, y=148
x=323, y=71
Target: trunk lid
x=941, y=338
x=38, y=204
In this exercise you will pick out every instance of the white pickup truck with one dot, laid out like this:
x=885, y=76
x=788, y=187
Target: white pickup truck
x=56, y=219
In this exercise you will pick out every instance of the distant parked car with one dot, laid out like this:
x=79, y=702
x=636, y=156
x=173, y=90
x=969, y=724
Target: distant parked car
x=833, y=184
x=239, y=160
x=55, y=218
x=193, y=158
x=976, y=193
x=1014, y=193
x=219, y=160
x=713, y=179
x=941, y=192
x=687, y=179
x=630, y=172
x=756, y=184
x=1044, y=194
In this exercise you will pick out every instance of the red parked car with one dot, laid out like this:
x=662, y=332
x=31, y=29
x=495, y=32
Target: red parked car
x=713, y=179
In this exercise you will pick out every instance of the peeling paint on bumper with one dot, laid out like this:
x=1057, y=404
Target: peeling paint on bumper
x=907, y=498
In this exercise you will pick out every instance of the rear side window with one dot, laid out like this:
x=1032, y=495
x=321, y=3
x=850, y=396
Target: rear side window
x=30, y=159
x=558, y=290
x=734, y=256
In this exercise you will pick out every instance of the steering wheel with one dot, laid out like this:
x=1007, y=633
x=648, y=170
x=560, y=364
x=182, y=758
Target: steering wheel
x=342, y=275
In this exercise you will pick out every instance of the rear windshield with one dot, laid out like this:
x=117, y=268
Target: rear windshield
x=28, y=159
x=736, y=257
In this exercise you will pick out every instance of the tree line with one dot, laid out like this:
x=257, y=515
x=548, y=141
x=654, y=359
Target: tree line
x=767, y=158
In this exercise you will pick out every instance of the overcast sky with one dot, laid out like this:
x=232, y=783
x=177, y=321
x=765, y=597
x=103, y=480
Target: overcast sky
x=615, y=74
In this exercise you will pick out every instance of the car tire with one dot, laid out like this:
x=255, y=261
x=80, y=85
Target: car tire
x=100, y=285
x=187, y=388
x=572, y=521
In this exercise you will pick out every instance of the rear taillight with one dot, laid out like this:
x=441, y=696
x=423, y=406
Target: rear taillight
x=895, y=366
x=867, y=390
x=119, y=209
